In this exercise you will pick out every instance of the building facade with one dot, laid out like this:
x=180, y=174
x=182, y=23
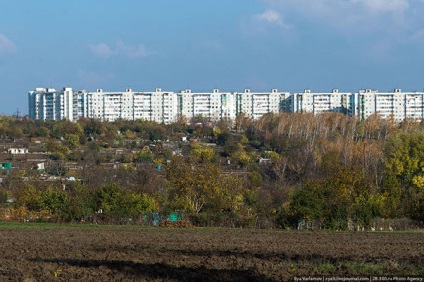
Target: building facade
x=317, y=103
x=213, y=105
x=167, y=106
x=256, y=104
x=51, y=104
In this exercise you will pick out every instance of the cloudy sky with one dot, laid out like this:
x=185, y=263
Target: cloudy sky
x=231, y=45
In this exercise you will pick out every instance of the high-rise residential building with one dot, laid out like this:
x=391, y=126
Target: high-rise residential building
x=166, y=106
x=256, y=104
x=159, y=106
x=396, y=105
x=317, y=103
x=213, y=105
x=414, y=105
x=51, y=104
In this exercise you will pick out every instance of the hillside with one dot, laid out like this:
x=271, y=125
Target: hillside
x=285, y=170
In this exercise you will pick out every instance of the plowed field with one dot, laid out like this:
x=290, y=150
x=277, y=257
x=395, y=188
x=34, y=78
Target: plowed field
x=30, y=252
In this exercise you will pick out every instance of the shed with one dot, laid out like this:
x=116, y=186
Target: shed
x=7, y=166
x=17, y=151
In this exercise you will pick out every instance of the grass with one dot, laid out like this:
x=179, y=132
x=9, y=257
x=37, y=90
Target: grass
x=62, y=225
x=328, y=267
x=9, y=224
x=365, y=268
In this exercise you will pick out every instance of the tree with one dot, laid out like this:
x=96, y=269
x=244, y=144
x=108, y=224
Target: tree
x=334, y=199
x=109, y=198
x=391, y=194
x=405, y=157
x=73, y=140
x=305, y=204
x=58, y=150
x=54, y=200
x=415, y=208
x=229, y=196
x=241, y=158
x=15, y=132
x=144, y=155
x=43, y=131
x=242, y=122
x=365, y=208
x=129, y=134
x=57, y=169
x=201, y=153
x=135, y=203
x=192, y=184
x=29, y=197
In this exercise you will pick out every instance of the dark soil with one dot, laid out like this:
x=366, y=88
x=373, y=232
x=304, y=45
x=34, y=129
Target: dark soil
x=125, y=253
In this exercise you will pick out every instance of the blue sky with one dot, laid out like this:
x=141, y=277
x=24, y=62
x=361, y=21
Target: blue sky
x=231, y=45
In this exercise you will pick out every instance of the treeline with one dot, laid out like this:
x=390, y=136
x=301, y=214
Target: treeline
x=281, y=170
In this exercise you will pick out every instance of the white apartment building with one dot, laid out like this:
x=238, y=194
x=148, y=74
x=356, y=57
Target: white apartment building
x=213, y=105
x=397, y=104
x=414, y=105
x=317, y=103
x=156, y=106
x=257, y=104
x=166, y=106
x=51, y=104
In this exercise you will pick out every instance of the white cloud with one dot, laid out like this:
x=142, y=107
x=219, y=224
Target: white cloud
x=270, y=16
x=101, y=50
x=347, y=16
x=6, y=45
x=394, y=6
x=320, y=6
x=120, y=49
x=264, y=22
x=382, y=27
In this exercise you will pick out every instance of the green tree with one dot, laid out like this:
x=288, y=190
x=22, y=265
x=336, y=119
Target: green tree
x=109, y=198
x=365, y=208
x=306, y=204
x=334, y=199
x=43, y=131
x=135, y=203
x=391, y=194
x=56, y=201
x=73, y=140
x=144, y=155
x=415, y=208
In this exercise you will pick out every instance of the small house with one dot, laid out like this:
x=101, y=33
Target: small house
x=40, y=167
x=17, y=151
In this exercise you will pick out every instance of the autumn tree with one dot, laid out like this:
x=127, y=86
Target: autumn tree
x=192, y=184
x=201, y=153
x=405, y=158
